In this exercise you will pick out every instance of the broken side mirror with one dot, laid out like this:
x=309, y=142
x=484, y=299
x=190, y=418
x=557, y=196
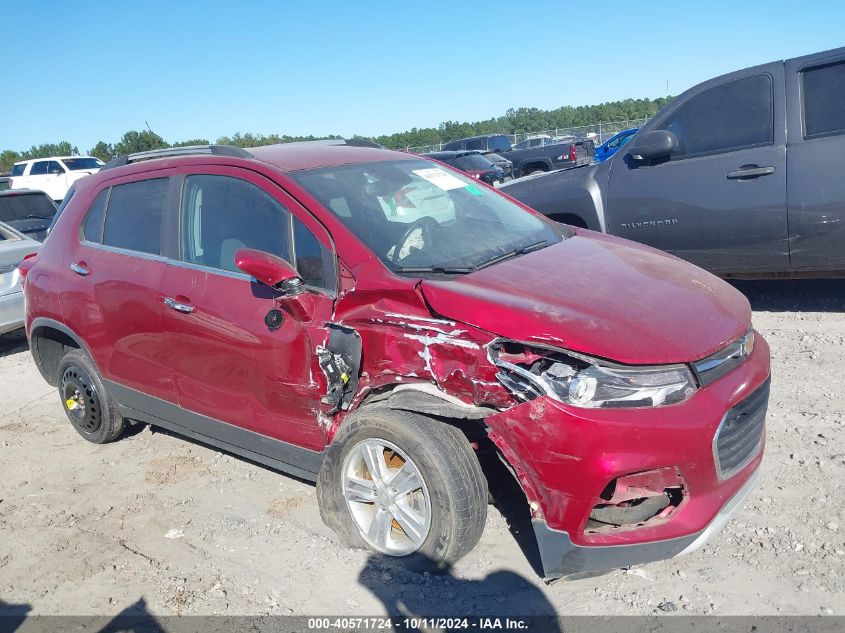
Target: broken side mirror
x=653, y=144
x=279, y=275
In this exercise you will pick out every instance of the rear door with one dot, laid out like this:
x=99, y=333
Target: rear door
x=110, y=292
x=36, y=178
x=815, y=87
x=720, y=201
x=227, y=363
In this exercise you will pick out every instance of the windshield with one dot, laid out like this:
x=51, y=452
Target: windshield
x=23, y=206
x=420, y=218
x=75, y=164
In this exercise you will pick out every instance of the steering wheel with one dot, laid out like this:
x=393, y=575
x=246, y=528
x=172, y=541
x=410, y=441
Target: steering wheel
x=418, y=233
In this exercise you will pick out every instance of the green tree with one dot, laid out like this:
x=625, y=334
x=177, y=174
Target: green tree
x=7, y=159
x=195, y=141
x=103, y=151
x=143, y=141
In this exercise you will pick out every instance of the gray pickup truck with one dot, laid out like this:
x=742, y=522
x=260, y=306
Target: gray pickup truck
x=741, y=175
x=527, y=161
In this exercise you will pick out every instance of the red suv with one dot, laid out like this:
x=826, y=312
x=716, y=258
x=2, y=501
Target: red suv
x=373, y=321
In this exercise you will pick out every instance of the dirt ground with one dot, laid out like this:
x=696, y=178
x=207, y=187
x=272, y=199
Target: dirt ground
x=156, y=523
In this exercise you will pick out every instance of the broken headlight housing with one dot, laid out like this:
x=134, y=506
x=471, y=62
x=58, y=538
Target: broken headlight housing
x=583, y=381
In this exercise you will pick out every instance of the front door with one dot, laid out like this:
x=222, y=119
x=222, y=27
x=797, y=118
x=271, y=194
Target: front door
x=228, y=364
x=720, y=200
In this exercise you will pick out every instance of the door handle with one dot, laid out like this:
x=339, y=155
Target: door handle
x=80, y=269
x=750, y=171
x=185, y=308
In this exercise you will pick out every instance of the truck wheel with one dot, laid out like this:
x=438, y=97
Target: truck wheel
x=87, y=404
x=403, y=485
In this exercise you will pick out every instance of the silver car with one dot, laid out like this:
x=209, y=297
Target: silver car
x=14, y=246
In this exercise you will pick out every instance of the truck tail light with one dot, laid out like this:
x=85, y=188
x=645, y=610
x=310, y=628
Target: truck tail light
x=573, y=153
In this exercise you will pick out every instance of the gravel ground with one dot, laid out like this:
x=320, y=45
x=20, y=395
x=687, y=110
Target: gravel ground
x=157, y=523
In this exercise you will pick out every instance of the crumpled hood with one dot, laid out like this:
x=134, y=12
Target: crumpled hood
x=599, y=295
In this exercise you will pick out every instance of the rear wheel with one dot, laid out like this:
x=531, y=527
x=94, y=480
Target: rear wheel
x=85, y=400
x=403, y=485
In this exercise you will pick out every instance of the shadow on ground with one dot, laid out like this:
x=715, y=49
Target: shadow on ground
x=794, y=295
x=409, y=594
x=13, y=343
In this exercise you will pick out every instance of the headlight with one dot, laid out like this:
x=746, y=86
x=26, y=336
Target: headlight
x=583, y=381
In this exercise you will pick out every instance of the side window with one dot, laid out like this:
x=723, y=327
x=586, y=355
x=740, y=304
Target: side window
x=134, y=215
x=475, y=143
x=727, y=117
x=221, y=215
x=614, y=142
x=822, y=89
x=92, y=229
x=53, y=167
x=17, y=170
x=39, y=168
x=314, y=262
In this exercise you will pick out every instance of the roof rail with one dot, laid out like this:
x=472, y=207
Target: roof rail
x=169, y=152
x=351, y=142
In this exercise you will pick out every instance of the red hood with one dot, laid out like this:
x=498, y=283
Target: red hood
x=602, y=296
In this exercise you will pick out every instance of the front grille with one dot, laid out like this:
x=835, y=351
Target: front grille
x=740, y=434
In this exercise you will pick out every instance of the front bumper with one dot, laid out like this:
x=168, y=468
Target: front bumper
x=11, y=312
x=561, y=557
x=574, y=464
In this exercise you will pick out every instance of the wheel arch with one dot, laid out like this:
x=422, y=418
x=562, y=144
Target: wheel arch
x=49, y=341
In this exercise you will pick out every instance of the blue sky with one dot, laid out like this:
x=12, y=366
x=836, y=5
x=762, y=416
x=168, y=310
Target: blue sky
x=85, y=72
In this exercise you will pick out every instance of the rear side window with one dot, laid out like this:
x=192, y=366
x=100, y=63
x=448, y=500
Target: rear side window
x=92, y=230
x=499, y=144
x=221, y=215
x=731, y=116
x=17, y=170
x=39, y=168
x=134, y=215
x=823, y=89
x=53, y=167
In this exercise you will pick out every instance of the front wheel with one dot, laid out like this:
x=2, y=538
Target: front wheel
x=403, y=485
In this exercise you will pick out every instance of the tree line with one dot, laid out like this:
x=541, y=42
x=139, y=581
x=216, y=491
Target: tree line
x=514, y=121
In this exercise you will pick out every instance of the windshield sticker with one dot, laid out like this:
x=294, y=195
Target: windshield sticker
x=440, y=178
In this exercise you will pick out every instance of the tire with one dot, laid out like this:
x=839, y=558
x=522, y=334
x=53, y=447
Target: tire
x=452, y=487
x=87, y=404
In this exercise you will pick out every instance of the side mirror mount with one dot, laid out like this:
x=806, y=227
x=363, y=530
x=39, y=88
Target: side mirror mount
x=270, y=270
x=654, y=144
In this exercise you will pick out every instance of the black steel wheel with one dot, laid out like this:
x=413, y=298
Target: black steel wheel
x=85, y=400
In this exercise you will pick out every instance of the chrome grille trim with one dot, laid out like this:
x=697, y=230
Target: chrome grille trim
x=717, y=365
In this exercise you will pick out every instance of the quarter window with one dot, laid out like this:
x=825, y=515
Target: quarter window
x=822, y=90
x=134, y=215
x=728, y=117
x=314, y=262
x=92, y=230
